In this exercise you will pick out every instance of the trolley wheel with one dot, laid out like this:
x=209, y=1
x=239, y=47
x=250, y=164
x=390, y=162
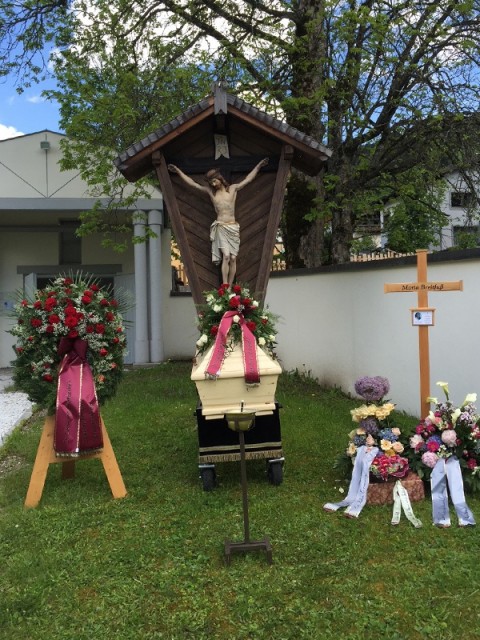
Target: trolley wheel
x=208, y=478
x=275, y=472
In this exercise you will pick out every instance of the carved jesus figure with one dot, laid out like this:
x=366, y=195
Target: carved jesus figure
x=225, y=230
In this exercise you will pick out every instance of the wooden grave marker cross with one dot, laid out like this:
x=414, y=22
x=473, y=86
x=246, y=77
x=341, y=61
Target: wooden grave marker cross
x=422, y=317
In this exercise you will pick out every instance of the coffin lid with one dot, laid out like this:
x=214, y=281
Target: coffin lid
x=233, y=365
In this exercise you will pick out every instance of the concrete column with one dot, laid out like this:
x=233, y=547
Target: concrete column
x=141, y=300
x=155, y=222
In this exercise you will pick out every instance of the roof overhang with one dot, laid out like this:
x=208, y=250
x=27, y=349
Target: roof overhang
x=308, y=155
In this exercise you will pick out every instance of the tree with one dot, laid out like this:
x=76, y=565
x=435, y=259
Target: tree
x=412, y=206
x=412, y=223
x=380, y=82
x=26, y=31
x=112, y=104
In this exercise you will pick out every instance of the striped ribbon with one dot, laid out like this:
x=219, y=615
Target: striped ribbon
x=401, y=500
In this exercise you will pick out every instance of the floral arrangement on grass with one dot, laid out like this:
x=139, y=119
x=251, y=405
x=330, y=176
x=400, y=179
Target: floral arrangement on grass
x=375, y=429
x=236, y=298
x=448, y=431
x=69, y=307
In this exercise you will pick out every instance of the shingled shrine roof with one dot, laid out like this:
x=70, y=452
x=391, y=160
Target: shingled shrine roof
x=309, y=154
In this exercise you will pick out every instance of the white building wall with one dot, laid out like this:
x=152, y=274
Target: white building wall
x=38, y=248
x=457, y=215
x=94, y=253
x=35, y=197
x=19, y=248
x=28, y=171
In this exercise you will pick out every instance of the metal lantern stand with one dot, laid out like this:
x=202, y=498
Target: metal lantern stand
x=241, y=422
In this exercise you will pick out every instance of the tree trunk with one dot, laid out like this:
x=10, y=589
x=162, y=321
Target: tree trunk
x=294, y=226
x=303, y=224
x=342, y=233
x=306, y=238
x=312, y=244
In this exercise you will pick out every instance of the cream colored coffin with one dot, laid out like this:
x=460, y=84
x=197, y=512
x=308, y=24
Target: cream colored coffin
x=229, y=390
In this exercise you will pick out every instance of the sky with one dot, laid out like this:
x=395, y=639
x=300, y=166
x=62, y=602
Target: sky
x=25, y=113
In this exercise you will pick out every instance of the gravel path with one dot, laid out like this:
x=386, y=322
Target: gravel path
x=14, y=407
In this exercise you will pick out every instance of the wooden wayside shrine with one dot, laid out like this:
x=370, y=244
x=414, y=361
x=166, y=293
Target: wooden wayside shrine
x=46, y=456
x=223, y=131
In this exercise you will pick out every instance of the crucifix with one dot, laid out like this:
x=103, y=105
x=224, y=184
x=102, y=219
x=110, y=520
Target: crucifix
x=422, y=316
x=225, y=230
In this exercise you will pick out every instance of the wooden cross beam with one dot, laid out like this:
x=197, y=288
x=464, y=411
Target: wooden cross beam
x=422, y=287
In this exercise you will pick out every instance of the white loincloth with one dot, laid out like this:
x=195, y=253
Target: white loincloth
x=225, y=236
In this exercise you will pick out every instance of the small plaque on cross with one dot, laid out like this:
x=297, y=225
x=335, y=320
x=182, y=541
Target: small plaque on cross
x=423, y=317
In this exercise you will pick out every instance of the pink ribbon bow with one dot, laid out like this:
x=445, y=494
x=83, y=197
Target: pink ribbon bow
x=249, y=349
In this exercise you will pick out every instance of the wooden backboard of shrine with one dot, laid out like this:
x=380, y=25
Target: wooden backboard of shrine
x=224, y=132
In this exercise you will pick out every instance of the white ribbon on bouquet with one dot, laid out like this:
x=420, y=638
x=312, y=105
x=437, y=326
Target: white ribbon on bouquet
x=401, y=500
x=447, y=474
x=357, y=491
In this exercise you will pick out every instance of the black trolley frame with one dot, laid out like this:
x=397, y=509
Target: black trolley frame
x=218, y=443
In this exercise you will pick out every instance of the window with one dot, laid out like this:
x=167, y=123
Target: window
x=369, y=222
x=70, y=245
x=462, y=199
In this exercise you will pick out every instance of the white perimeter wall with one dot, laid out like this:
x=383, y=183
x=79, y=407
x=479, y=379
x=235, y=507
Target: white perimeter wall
x=338, y=325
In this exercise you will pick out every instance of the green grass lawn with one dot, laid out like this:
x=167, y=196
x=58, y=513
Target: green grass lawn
x=150, y=566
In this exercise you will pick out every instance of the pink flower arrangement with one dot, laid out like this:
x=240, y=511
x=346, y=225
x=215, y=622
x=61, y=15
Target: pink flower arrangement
x=448, y=431
x=385, y=466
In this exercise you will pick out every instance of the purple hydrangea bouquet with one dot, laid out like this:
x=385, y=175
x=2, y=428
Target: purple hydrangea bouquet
x=372, y=389
x=375, y=429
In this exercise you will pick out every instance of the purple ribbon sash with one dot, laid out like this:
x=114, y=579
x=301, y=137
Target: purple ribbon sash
x=78, y=427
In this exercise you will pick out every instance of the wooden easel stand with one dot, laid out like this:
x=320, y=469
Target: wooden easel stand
x=46, y=455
